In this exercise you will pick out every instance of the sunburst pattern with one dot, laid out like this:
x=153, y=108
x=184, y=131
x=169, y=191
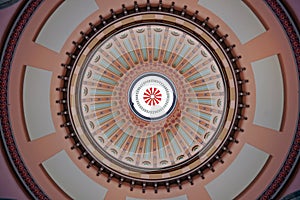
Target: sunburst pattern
x=152, y=96
x=199, y=110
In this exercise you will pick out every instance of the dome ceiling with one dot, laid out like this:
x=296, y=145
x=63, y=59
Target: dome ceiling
x=151, y=99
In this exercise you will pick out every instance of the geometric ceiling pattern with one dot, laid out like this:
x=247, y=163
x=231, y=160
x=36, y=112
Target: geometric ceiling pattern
x=151, y=99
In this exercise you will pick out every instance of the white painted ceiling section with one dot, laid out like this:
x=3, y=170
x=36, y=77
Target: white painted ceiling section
x=71, y=179
x=63, y=22
x=238, y=16
x=36, y=102
x=183, y=197
x=269, y=92
x=239, y=174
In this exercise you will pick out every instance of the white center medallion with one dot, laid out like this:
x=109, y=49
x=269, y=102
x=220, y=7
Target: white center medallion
x=152, y=96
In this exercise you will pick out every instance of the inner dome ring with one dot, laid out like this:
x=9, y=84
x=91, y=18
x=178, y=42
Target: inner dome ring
x=176, y=71
x=154, y=129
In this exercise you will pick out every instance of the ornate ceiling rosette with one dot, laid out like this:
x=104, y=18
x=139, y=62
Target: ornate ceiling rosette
x=153, y=95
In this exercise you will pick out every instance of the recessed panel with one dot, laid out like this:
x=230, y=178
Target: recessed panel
x=238, y=16
x=238, y=175
x=183, y=197
x=63, y=21
x=269, y=93
x=36, y=102
x=70, y=178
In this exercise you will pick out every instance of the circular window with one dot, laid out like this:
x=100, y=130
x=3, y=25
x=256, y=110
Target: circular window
x=152, y=96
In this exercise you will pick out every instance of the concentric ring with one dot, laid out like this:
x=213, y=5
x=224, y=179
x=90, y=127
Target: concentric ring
x=198, y=119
